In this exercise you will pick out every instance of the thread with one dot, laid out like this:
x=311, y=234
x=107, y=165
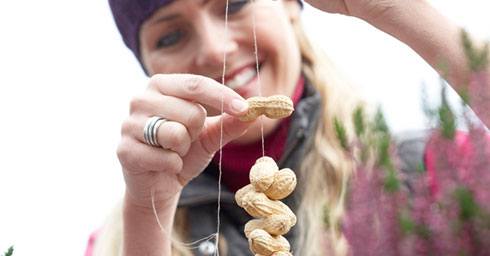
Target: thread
x=164, y=231
x=218, y=210
x=256, y=53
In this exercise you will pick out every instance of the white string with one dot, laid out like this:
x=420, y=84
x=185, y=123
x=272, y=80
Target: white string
x=258, y=76
x=218, y=220
x=164, y=231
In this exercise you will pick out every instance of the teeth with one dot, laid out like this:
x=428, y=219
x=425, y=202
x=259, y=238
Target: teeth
x=242, y=78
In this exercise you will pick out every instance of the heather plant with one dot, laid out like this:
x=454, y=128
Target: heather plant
x=443, y=208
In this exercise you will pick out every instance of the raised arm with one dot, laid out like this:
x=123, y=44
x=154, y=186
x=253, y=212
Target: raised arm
x=429, y=33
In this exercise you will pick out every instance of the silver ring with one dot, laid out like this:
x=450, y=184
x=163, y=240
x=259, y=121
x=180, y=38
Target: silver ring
x=151, y=129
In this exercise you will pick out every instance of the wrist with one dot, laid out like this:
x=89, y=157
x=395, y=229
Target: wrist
x=147, y=206
x=142, y=234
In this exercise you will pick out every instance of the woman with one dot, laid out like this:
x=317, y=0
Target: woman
x=182, y=45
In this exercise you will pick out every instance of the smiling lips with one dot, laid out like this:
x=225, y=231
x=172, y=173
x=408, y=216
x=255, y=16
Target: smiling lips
x=240, y=77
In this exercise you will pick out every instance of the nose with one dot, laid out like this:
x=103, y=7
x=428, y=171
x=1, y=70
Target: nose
x=213, y=43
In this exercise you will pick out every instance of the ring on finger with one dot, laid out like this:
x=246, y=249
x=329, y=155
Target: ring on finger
x=151, y=129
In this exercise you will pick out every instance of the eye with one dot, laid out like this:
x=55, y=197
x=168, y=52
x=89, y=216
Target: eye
x=169, y=39
x=235, y=6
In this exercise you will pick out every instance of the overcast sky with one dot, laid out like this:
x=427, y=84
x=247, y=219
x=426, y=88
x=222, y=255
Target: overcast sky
x=65, y=83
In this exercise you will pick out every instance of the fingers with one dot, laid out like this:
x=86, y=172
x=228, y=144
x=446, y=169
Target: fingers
x=209, y=143
x=191, y=115
x=170, y=135
x=200, y=89
x=232, y=129
x=138, y=157
x=188, y=134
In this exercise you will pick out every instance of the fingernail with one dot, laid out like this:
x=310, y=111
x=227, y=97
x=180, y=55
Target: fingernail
x=239, y=105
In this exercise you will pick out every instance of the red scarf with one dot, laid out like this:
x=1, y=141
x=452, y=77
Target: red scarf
x=238, y=159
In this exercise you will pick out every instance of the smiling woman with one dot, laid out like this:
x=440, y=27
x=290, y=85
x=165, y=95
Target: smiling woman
x=194, y=42
x=183, y=46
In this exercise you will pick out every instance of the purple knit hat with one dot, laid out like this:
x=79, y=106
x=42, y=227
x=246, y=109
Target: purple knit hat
x=130, y=14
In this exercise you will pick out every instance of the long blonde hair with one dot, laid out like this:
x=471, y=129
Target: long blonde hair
x=325, y=168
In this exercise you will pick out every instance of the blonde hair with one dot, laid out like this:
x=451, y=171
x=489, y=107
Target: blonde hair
x=326, y=169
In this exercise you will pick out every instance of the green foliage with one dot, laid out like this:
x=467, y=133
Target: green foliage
x=359, y=122
x=326, y=220
x=410, y=226
x=384, y=151
x=383, y=143
x=447, y=119
x=341, y=133
x=468, y=208
x=9, y=252
x=443, y=115
x=420, y=167
x=391, y=182
x=477, y=58
x=465, y=96
x=407, y=224
x=380, y=122
x=423, y=231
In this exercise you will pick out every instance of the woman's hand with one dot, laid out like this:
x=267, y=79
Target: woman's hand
x=368, y=10
x=188, y=139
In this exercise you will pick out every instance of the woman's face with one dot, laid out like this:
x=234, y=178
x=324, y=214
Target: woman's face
x=187, y=36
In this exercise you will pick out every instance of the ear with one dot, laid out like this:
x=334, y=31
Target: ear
x=293, y=9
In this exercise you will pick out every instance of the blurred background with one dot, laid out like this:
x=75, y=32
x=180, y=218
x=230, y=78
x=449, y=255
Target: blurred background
x=66, y=79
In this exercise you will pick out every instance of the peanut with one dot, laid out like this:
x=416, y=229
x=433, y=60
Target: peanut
x=258, y=205
x=240, y=194
x=278, y=254
x=282, y=254
x=262, y=173
x=263, y=243
x=273, y=224
x=283, y=185
x=261, y=200
x=276, y=106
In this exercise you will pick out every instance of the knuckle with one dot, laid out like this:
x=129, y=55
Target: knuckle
x=136, y=103
x=126, y=154
x=127, y=126
x=131, y=158
x=176, y=135
x=194, y=84
x=155, y=80
x=196, y=117
x=175, y=163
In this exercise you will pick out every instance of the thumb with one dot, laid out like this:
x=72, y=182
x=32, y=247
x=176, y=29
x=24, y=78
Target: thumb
x=232, y=129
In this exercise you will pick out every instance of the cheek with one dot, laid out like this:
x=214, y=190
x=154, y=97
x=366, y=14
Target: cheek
x=167, y=64
x=282, y=58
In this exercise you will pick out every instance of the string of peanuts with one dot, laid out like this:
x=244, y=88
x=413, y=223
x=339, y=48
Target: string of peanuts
x=267, y=186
